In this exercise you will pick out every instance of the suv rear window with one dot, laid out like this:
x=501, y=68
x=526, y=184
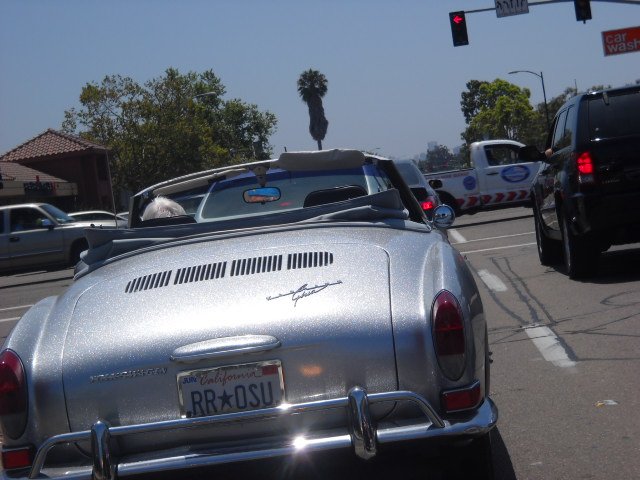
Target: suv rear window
x=617, y=117
x=410, y=174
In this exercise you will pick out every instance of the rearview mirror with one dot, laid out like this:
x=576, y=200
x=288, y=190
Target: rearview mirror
x=435, y=183
x=262, y=195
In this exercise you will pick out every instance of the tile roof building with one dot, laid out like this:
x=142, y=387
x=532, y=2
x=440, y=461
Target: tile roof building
x=65, y=158
x=19, y=181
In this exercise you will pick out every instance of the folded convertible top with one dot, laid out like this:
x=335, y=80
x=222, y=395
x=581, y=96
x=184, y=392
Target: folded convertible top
x=107, y=243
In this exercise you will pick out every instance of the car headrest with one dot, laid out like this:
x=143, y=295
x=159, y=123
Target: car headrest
x=333, y=195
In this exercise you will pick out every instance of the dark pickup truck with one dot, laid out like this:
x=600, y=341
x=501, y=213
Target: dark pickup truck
x=586, y=196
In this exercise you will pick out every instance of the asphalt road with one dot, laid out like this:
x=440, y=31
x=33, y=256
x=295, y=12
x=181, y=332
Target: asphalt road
x=566, y=353
x=566, y=370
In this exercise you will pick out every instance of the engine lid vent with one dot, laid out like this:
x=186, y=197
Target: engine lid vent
x=239, y=267
x=200, y=273
x=252, y=266
x=309, y=260
x=147, y=282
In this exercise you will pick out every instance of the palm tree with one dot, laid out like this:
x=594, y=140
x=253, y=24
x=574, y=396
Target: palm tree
x=312, y=86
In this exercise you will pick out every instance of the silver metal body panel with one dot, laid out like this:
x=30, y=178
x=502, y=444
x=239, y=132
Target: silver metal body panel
x=343, y=307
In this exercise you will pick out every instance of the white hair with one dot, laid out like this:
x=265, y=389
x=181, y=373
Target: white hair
x=162, y=207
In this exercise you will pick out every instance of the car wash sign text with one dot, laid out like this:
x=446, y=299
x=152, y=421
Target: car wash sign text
x=624, y=40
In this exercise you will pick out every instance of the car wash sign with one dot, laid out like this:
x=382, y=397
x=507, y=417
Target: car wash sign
x=624, y=40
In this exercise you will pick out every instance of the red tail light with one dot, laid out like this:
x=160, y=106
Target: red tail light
x=427, y=205
x=462, y=398
x=14, y=458
x=584, y=163
x=448, y=334
x=13, y=395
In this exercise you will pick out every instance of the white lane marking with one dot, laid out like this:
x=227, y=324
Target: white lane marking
x=549, y=346
x=491, y=281
x=15, y=308
x=498, y=248
x=496, y=238
x=457, y=236
x=14, y=319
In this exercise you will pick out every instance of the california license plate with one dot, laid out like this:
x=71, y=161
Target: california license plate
x=229, y=389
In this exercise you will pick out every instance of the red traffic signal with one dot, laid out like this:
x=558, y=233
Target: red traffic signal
x=458, y=28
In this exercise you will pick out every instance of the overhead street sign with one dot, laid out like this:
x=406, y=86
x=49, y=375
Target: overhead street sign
x=506, y=8
x=624, y=40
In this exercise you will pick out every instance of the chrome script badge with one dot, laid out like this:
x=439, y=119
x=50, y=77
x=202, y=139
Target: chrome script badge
x=304, y=291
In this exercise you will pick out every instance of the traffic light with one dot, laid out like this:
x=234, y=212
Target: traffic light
x=458, y=29
x=583, y=10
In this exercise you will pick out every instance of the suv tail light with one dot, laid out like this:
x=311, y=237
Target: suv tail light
x=428, y=205
x=13, y=395
x=448, y=334
x=584, y=164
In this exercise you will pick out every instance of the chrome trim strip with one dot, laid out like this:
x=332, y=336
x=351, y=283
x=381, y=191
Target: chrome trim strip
x=220, y=347
x=209, y=459
x=483, y=420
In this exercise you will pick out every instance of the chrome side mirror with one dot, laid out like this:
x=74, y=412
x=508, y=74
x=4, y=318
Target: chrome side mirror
x=443, y=216
x=46, y=223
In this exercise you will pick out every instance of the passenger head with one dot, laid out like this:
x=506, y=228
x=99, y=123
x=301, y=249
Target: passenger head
x=162, y=207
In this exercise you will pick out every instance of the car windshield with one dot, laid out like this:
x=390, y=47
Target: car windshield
x=58, y=214
x=243, y=195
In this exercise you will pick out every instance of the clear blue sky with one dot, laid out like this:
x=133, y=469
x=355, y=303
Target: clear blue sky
x=394, y=77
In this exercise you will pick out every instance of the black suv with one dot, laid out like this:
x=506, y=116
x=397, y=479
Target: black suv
x=586, y=196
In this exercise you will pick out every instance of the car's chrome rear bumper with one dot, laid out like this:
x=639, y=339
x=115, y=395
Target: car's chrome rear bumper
x=361, y=434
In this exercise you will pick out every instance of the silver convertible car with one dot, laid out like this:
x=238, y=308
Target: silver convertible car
x=303, y=304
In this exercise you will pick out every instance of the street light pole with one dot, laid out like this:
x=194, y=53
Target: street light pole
x=544, y=92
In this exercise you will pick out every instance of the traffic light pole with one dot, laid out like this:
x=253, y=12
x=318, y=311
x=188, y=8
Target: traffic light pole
x=458, y=21
x=547, y=2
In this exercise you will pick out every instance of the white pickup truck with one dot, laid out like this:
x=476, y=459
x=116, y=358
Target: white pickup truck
x=498, y=177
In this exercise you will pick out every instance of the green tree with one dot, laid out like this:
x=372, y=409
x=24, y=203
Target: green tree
x=499, y=109
x=438, y=159
x=172, y=125
x=472, y=100
x=312, y=86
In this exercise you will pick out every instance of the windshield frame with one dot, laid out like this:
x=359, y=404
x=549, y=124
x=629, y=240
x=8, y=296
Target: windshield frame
x=57, y=214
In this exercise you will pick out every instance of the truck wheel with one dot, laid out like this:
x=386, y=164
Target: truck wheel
x=549, y=250
x=580, y=258
x=76, y=249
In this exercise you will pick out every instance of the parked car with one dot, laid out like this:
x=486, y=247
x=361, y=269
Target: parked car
x=587, y=194
x=424, y=193
x=39, y=235
x=100, y=217
x=124, y=215
x=307, y=305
